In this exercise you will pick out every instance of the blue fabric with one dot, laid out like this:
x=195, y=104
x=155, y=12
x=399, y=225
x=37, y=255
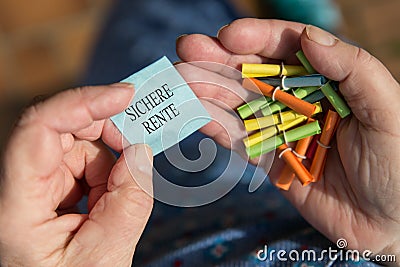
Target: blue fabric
x=140, y=32
x=231, y=231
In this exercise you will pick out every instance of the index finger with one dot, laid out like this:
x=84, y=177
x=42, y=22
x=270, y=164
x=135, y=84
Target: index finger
x=74, y=110
x=41, y=135
x=274, y=39
x=244, y=40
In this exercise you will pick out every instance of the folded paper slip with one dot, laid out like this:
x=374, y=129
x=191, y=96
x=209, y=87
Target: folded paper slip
x=266, y=121
x=298, y=105
x=294, y=164
x=328, y=132
x=265, y=70
x=302, y=81
x=272, y=143
x=164, y=109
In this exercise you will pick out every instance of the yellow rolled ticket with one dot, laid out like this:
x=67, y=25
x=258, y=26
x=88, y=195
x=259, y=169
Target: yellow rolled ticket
x=265, y=70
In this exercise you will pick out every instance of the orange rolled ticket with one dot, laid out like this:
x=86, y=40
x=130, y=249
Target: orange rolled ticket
x=317, y=166
x=287, y=176
x=295, y=165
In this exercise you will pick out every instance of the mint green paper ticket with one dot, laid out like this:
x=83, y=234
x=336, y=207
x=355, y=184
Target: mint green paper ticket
x=164, y=110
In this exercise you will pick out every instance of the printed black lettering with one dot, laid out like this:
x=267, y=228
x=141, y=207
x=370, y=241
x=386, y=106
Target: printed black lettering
x=174, y=110
x=160, y=95
x=167, y=90
x=131, y=115
x=146, y=101
x=157, y=101
x=147, y=126
x=137, y=107
x=161, y=118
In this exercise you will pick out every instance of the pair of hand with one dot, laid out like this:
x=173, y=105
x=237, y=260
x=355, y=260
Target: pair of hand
x=57, y=153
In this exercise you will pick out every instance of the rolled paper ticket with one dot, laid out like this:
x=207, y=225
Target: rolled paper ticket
x=274, y=119
x=260, y=123
x=272, y=130
x=310, y=69
x=305, y=91
x=260, y=136
x=265, y=70
x=312, y=148
x=302, y=81
x=253, y=106
x=276, y=106
x=337, y=102
x=294, y=164
x=272, y=143
x=272, y=108
x=258, y=86
x=298, y=105
x=287, y=176
x=290, y=124
x=313, y=97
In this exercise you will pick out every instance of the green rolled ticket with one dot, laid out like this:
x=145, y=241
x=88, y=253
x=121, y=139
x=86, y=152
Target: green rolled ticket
x=337, y=102
x=272, y=143
x=272, y=108
x=253, y=106
x=310, y=69
x=314, y=97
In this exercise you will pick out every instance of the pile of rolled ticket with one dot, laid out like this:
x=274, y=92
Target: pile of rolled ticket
x=289, y=110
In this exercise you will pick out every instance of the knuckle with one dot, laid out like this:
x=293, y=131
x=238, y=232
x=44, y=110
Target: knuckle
x=136, y=202
x=29, y=115
x=362, y=57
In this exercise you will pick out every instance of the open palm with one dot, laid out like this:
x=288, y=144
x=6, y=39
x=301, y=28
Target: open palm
x=358, y=197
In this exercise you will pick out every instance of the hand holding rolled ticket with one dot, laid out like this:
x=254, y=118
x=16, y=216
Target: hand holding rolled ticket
x=361, y=180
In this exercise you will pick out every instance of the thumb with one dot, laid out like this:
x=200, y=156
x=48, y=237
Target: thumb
x=118, y=219
x=366, y=84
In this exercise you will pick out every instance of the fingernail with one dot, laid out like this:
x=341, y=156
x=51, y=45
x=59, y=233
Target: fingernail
x=125, y=89
x=122, y=85
x=144, y=158
x=320, y=36
x=180, y=36
x=220, y=29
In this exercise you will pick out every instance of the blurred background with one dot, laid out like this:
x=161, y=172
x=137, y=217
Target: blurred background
x=48, y=45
